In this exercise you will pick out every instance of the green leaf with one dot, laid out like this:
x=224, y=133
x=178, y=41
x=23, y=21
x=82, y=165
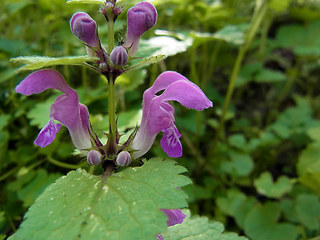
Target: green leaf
x=37, y=62
x=31, y=184
x=125, y=205
x=261, y=224
x=265, y=185
x=279, y=6
x=4, y=120
x=269, y=76
x=87, y=1
x=308, y=209
x=40, y=113
x=168, y=44
x=303, y=39
x=241, y=164
x=308, y=167
x=147, y=61
x=199, y=228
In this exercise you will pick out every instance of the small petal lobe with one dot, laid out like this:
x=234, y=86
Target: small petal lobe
x=47, y=134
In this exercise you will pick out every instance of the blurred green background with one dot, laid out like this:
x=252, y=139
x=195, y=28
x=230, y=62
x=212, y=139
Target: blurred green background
x=257, y=170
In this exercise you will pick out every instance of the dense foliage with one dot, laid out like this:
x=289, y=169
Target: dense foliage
x=254, y=158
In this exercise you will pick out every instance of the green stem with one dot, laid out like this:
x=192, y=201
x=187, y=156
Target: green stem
x=63, y=165
x=110, y=35
x=111, y=110
x=255, y=23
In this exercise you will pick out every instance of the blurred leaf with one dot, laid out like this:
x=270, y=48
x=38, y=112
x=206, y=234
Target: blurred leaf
x=269, y=76
x=31, y=184
x=4, y=120
x=287, y=206
x=265, y=185
x=7, y=74
x=240, y=164
x=131, y=80
x=13, y=47
x=308, y=209
x=304, y=40
x=166, y=45
x=279, y=6
x=231, y=202
x=199, y=228
x=37, y=62
x=314, y=133
x=261, y=224
x=232, y=34
x=308, y=166
x=125, y=205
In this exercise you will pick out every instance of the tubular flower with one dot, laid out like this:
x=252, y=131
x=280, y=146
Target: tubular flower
x=158, y=114
x=66, y=109
x=141, y=18
x=85, y=28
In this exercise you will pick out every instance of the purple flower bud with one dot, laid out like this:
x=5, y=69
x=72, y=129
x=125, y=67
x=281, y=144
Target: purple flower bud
x=119, y=56
x=123, y=159
x=141, y=17
x=85, y=28
x=94, y=157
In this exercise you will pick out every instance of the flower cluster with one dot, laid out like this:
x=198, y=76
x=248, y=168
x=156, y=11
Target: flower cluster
x=158, y=114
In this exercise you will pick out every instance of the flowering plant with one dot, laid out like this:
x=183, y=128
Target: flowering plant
x=130, y=193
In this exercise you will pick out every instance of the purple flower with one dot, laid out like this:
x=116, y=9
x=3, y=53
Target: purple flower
x=85, y=28
x=158, y=114
x=175, y=216
x=140, y=17
x=66, y=109
x=119, y=56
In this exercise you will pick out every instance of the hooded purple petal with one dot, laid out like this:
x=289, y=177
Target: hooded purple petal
x=140, y=17
x=65, y=109
x=158, y=114
x=42, y=80
x=47, y=134
x=85, y=28
x=175, y=216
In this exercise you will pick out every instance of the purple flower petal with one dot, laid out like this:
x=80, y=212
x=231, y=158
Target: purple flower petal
x=158, y=114
x=140, y=17
x=175, y=216
x=170, y=142
x=47, y=134
x=85, y=28
x=65, y=109
x=42, y=80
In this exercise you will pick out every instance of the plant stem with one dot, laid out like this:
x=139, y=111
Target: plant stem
x=110, y=35
x=62, y=164
x=260, y=12
x=111, y=110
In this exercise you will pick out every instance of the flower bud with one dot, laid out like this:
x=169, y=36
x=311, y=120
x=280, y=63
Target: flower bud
x=85, y=28
x=94, y=157
x=123, y=159
x=119, y=56
x=141, y=17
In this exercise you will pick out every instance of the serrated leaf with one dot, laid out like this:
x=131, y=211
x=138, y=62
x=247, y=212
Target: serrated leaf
x=37, y=62
x=87, y=1
x=125, y=205
x=261, y=224
x=199, y=228
x=265, y=185
x=147, y=61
